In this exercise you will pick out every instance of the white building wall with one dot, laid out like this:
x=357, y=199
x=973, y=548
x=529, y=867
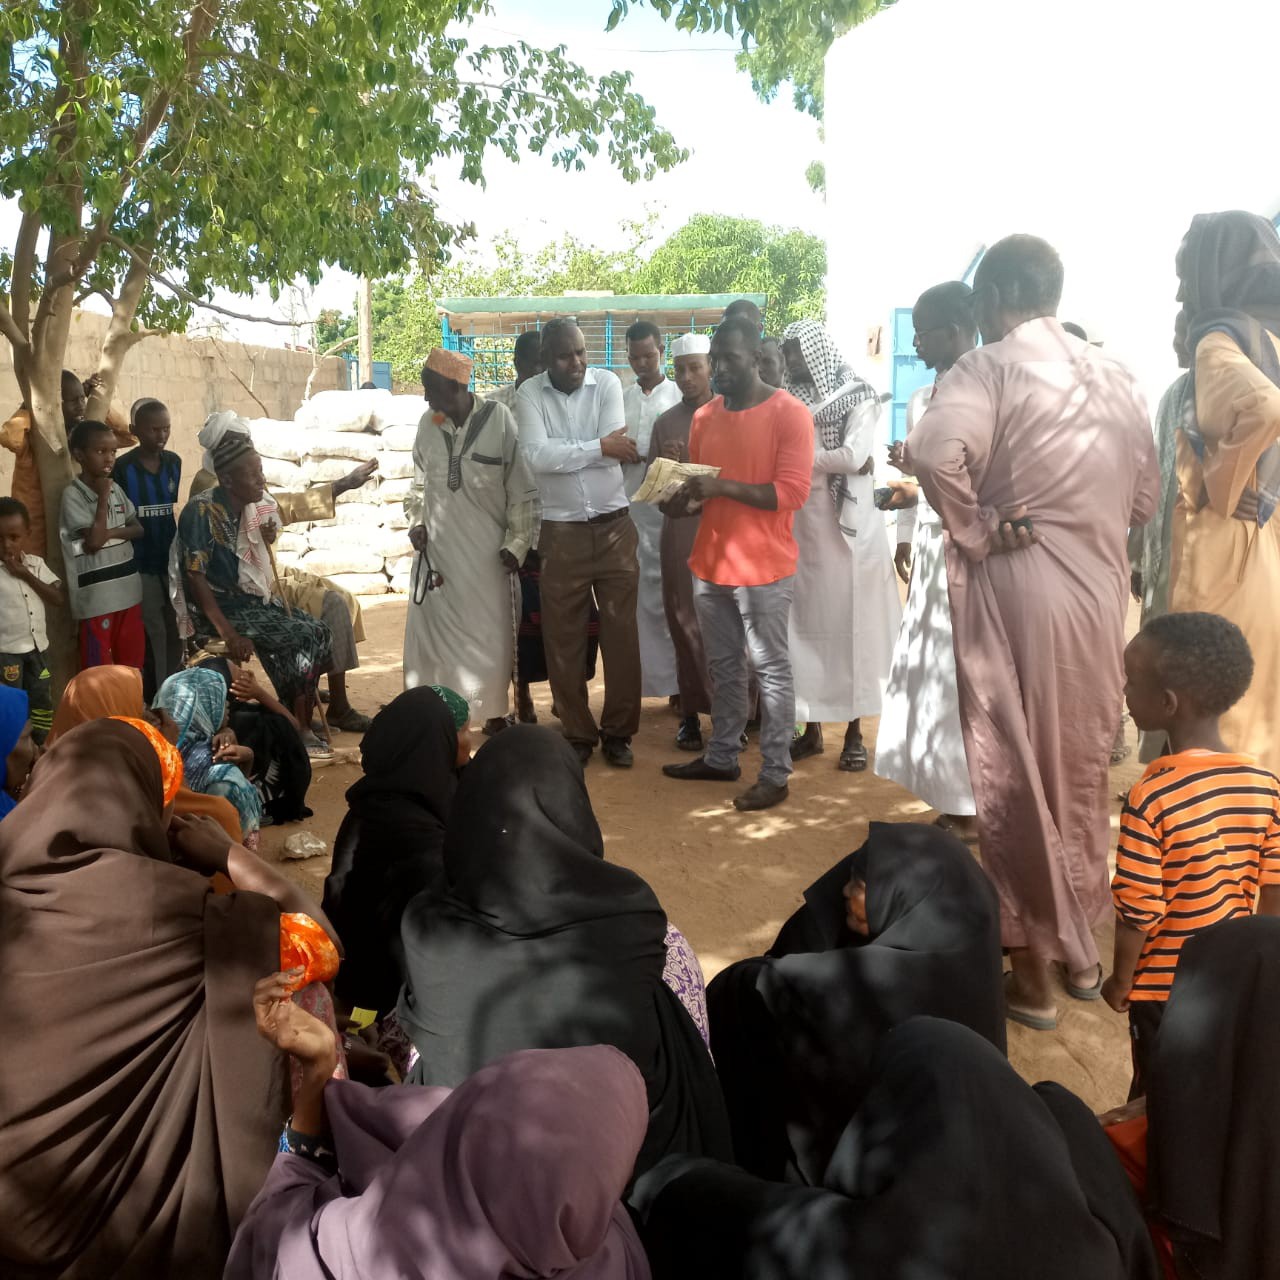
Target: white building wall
x=1102, y=125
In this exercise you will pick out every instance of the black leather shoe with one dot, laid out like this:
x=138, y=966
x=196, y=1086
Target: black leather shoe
x=700, y=771
x=617, y=752
x=689, y=738
x=763, y=795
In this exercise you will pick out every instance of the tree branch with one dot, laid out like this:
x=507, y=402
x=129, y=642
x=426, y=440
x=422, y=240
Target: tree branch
x=324, y=355
x=199, y=25
x=24, y=268
x=10, y=329
x=187, y=296
x=266, y=413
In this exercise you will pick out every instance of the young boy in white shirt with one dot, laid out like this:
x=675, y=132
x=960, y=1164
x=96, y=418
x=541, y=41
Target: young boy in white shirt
x=27, y=586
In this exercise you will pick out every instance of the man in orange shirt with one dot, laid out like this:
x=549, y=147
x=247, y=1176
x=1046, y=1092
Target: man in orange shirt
x=744, y=557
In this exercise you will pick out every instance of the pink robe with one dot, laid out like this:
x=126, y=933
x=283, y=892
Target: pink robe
x=1046, y=421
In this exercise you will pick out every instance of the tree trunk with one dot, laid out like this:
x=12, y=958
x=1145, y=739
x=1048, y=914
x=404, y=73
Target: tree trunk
x=55, y=469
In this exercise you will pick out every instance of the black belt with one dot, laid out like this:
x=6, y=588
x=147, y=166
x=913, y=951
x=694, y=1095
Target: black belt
x=608, y=516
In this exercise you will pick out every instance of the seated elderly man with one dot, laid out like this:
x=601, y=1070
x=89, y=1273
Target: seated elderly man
x=232, y=594
x=318, y=596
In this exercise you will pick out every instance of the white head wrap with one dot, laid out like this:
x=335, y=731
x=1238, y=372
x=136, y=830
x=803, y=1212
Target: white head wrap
x=217, y=425
x=691, y=344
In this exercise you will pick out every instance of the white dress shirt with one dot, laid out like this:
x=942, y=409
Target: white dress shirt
x=643, y=408
x=560, y=438
x=22, y=618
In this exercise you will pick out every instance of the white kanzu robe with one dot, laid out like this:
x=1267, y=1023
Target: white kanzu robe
x=920, y=745
x=846, y=608
x=462, y=635
x=657, y=653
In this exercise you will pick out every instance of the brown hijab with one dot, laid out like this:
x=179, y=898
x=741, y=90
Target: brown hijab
x=138, y=1107
x=100, y=692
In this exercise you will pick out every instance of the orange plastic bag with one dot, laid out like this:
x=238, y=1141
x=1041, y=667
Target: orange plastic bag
x=304, y=944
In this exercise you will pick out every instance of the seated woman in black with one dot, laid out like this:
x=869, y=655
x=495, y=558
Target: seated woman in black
x=391, y=843
x=950, y=1168
x=907, y=925
x=533, y=941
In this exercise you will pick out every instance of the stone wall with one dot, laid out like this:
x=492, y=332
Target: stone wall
x=193, y=376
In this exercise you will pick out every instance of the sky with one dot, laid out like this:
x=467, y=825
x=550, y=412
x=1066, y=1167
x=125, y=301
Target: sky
x=748, y=158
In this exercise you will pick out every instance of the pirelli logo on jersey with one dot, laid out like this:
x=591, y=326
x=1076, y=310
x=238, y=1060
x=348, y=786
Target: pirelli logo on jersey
x=156, y=509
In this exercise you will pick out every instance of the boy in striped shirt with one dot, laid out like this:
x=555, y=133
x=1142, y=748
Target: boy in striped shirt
x=1200, y=832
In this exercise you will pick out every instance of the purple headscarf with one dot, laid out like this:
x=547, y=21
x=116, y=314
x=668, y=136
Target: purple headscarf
x=517, y=1172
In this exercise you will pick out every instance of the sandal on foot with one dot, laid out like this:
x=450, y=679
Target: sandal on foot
x=1084, y=993
x=350, y=721
x=317, y=747
x=1024, y=1017
x=853, y=759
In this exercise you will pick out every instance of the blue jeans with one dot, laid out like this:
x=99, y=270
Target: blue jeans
x=742, y=625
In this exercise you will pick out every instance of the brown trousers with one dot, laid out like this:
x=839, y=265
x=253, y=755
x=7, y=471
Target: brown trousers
x=578, y=558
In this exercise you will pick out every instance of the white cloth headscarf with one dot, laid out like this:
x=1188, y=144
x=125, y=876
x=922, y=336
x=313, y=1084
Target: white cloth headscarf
x=257, y=572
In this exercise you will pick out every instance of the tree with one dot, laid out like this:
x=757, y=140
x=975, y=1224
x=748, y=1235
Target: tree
x=781, y=43
x=160, y=151
x=712, y=253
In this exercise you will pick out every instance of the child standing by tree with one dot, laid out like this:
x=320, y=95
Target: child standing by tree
x=150, y=475
x=27, y=585
x=99, y=526
x=1200, y=833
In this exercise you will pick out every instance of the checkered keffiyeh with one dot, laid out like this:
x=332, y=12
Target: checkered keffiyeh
x=833, y=394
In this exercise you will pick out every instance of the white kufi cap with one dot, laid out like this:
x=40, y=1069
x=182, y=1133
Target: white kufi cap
x=691, y=344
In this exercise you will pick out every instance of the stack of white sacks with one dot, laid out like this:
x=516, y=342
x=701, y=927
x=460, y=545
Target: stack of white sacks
x=366, y=547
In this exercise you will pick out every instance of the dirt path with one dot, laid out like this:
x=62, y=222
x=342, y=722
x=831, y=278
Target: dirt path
x=729, y=880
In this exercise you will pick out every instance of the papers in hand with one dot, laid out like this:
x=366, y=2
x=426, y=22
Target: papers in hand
x=665, y=476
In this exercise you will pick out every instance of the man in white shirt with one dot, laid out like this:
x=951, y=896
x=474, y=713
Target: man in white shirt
x=644, y=402
x=573, y=437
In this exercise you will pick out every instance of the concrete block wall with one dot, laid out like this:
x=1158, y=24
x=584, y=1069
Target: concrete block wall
x=193, y=376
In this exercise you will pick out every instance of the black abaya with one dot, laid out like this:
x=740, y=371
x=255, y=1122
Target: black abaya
x=951, y=1168
x=390, y=845
x=1214, y=1135
x=534, y=941
x=793, y=1032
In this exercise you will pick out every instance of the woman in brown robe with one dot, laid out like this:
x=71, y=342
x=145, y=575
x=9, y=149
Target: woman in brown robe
x=139, y=1110
x=1226, y=537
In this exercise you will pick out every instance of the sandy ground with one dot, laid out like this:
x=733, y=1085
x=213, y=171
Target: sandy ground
x=729, y=880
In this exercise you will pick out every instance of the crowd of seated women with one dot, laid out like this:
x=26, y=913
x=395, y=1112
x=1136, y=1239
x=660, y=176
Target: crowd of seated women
x=518, y=1072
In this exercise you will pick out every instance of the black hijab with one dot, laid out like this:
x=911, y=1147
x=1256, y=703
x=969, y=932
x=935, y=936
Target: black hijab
x=792, y=1033
x=533, y=941
x=1214, y=1137
x=1231, y=262
x=390, y=845
x=950, y=1167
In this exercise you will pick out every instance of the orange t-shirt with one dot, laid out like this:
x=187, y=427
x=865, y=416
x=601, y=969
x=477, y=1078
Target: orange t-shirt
x=738, y=545
x=1198, y=837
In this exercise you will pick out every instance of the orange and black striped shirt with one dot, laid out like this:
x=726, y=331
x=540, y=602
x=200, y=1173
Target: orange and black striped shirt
x=1200, y=833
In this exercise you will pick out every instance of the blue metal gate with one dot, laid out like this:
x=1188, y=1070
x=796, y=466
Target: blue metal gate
x=909, y=373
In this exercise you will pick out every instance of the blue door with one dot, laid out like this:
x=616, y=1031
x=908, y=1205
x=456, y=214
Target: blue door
x=909, y=373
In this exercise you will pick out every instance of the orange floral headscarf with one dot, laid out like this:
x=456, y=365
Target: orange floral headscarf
x=166, y=753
